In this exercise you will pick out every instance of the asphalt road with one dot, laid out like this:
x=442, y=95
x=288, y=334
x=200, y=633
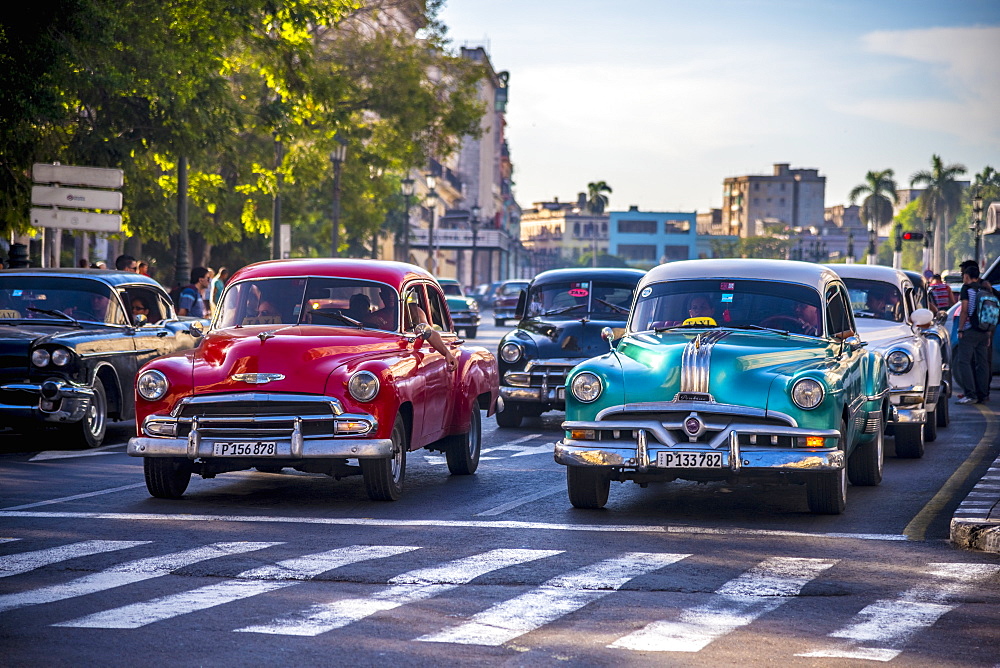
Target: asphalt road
x=254, y=569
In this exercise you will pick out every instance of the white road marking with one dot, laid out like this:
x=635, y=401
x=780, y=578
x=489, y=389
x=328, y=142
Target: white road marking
x=888, y=624
x=737, y=603
x=555, y=598
x=248, y=583
x=62, y=454
x=520, y=502
x=14, y=564
x=452, y=524
x=409, y=587
x=86, y=495
x=127, y=573
x=438, y=459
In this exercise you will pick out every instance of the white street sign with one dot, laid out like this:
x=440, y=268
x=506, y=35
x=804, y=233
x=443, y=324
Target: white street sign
x=76, y=198
x=67, y=219
x=97, y=177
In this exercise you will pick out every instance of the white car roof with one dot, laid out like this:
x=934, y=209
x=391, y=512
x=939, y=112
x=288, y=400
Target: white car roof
x=872, y=272
x=791, y=271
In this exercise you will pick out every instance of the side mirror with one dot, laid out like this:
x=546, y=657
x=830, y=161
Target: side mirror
x=608, y=335
x=854, y=343
x=521, y=301
x=139, y=320
x=196, y=329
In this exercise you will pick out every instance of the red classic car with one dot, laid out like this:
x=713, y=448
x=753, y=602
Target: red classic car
x=325, y=366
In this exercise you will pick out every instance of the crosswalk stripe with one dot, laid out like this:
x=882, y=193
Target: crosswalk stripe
x=737, y=603
x=127, y=573
x=888, y=624
x=248, y=583
x=407, y=588
x=16, y=564
x=553, y=599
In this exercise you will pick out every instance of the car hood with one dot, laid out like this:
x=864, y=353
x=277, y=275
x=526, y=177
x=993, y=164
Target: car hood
x=303, y=356
x=459, y=303
x=881, y=333
x=16, y=343
x=569, y=338
x=738, y=368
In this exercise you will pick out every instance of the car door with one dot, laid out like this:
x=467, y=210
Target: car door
x=852, y=360
x=440, y=379
x=153, y=338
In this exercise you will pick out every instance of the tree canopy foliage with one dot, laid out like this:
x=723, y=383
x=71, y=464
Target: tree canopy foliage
x=137, y=84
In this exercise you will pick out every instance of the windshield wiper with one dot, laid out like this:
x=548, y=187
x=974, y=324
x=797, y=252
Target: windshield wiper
x=610, y=305
x=564, y=309
x=56, y=313
x=340, y=316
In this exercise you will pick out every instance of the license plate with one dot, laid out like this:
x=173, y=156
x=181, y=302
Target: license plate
x=689, y=460
x=244, y=449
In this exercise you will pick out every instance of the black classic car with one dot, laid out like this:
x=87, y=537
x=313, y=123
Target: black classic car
x=561, y=316
x=71, y=342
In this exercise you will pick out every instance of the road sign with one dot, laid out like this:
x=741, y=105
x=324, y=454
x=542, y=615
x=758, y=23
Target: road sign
x=97, y=177
x=76, y=198
x=67, y=219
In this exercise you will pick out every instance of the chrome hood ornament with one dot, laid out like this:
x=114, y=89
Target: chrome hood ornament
x=257, y=378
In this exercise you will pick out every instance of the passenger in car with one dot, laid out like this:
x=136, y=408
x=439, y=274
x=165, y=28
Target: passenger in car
x=808, y=317
x=359, y=307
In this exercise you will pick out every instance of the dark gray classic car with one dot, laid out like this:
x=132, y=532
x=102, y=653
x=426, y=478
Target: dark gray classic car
x=561, y=316
x=71, y=342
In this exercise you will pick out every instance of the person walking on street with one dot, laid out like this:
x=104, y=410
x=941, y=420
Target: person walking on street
x=972, y=366
x=192, y=303
x=941, y=293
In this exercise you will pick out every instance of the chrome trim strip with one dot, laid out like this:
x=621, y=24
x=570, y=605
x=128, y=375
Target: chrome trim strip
x=209, y=399
x=735, y=460
x=696, y=361
x=700, y=407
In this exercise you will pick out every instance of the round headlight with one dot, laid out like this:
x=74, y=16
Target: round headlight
x=586, y=387
x=510, y=352
x=899, y=361
x=807, y=393
x=61, y=357
x=40, y=357
x=152, y=385
x=363, y=386
x=473, y=306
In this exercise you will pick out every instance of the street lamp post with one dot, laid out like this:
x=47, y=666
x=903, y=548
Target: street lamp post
x=928, y=241
x=432, y=198
x=850, y=248
x=406, y=185
x=337, y=157
x=475, y=237
x=977, y=223
x=872, y=244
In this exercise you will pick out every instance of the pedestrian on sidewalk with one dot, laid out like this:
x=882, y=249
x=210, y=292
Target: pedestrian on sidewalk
x=972, y=365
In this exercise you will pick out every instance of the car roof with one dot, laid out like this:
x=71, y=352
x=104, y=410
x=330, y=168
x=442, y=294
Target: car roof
x=791, y=271
x=872, y=272
x=110, y=277
x=383, y=271
x=585, y=273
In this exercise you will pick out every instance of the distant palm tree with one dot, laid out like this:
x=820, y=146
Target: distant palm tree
x=596, y=202
x=988, y=178
x=876, y=208
x=941, y=200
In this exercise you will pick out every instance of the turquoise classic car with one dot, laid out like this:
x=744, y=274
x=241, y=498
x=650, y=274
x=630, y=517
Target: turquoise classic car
x=734, y=370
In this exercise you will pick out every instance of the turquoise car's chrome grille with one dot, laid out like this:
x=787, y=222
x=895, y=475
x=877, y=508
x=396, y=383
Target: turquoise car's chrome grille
x=696, y=361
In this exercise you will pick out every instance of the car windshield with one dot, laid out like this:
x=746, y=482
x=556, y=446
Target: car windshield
x=336, y=302
x=63, y=299
x=575, y=299
x=875, y=299
x=738, y=303
x=511, y=289
x=452, y=289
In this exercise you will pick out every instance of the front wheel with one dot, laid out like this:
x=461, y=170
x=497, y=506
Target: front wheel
x=470, y=332
x=384, y=477
x=89, y=432
x=588, y=486
x=510, y=416
x=864, y=468
x=167, y=477
x=930, y=427
x=827, y=492
x=909, y=440
x=941, y=412
x=463, y=449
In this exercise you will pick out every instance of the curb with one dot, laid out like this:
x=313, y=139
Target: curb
x=976, y=522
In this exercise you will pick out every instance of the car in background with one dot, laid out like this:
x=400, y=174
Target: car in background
x=71, y=343
x=505, y=300
x=884, y=301
x=939, y=332
x=483, y=294
x=464, y=310
x=738, y=370
x=561, y=318
x=327, y=366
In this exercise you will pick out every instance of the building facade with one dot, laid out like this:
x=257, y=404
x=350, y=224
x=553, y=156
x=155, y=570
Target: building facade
x=759, y=205
x=644, y=239
x=558, y=234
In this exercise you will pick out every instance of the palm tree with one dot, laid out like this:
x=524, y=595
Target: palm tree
x=941, y=200
x=596, y=202
x=876, y=208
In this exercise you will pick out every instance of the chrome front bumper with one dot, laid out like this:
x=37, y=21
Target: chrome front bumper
x=325, y=448
x=59, y=402
x=536, y=395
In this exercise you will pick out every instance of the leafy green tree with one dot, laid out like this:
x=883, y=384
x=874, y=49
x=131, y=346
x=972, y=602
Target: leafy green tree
x=879, y=191
x=941, y=200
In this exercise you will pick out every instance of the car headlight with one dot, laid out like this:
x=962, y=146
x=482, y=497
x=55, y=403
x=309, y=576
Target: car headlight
x=61, y=357
x=807, y=393
x=511, y=352
x=152, y=385
x=40, y=357
x=899, y=361
x=586, y=387
x=363, y=386
x=473, y=306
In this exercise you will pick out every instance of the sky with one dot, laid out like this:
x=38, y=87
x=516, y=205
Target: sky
x=663, y=99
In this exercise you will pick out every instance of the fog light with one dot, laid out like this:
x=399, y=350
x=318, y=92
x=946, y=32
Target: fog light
x=583, y=434
x=161, y=428
x=815, y=441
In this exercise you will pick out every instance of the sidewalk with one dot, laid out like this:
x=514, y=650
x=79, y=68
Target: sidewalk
x=976, y=522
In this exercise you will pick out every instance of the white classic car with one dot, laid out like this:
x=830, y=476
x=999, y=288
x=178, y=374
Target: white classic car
x=887, y=317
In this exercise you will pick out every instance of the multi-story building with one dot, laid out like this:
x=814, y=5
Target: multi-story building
x=557, y=234
x=758, y=205
x=644, y=239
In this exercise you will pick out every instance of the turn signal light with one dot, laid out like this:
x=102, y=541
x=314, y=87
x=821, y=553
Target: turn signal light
x=583, y=434
x=815, y=441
